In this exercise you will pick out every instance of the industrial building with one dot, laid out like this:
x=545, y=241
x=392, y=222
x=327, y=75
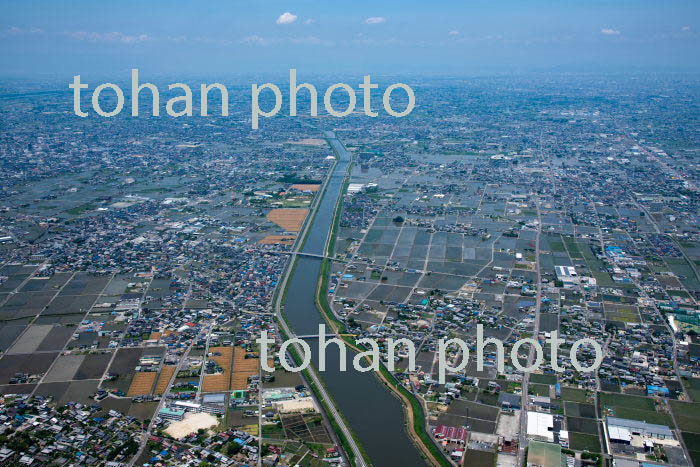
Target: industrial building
x=540, y=426
x=621, y=430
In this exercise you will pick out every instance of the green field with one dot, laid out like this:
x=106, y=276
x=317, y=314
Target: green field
x=621, y=400
x=543, y=379
x=634, y=408
x=687, y=415
x=692, y=442
x=644, y=416
x=584, y=442
x=692, y=386
x=539, y=389
x=573, y=394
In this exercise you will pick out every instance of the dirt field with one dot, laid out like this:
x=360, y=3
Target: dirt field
x=164, y=378
x=220, y=382
x=64, y=392
x=306, y=187
x=191, y=423
x=309, y=142
x=143, y=410
x=79, y=391
x=31, y=339
x=123, y=365
x=142, y=384
x=125, y=361
x=278, y=240
x=32, y=364
x=65, y=368
x=17, y=389
x=289, y=219
x=55, y=390
x=243, y=368
x=56, y=338
x=8, y=334
x=93, y=366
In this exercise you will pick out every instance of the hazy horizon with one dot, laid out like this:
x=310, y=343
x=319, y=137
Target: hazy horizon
x=477, y=37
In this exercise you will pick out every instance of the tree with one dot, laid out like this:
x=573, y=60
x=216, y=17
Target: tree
x=398, y=219
x=233, y=448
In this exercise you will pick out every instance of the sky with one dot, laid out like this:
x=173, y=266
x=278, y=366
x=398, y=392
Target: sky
x=48, y=37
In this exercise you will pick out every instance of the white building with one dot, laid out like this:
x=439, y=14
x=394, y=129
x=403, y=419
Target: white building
x=567, y=275
x=540, y=426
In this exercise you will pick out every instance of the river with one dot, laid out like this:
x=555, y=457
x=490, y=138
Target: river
x=375, y=415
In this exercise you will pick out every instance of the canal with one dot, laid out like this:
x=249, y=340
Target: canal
x=374, y=414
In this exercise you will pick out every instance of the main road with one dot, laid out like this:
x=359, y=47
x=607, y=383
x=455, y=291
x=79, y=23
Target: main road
x=535, y=333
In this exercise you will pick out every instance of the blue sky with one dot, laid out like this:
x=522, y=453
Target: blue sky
x=404, y=36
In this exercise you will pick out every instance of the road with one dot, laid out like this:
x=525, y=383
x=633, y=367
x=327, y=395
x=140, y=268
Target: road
x=535, y=333
x=321, y=392
x=146, y=434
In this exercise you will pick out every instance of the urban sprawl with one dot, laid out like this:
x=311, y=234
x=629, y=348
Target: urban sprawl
x=141, y=260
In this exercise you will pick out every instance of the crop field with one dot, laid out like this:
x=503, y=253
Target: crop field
x=582, y=425
x=584, y=442
x=576, y=409
x=475, y=457
x=70, y=304
x=627, y=314
x=313, y=187
x=24, y=305
x=17, y=388
x=692, y=441
x=31, y=339
x=164, y=378
x=32, y=364
x=634, y=408
x=65, y=368
x=142, y=383
x=222, y=381
x=123, y=366
x=289, y=219
x=85, y=284
x=618, y=400
x=57, y=338
x=94, y=366
x=687, y=415
x=243, y=368
x=278, y=240
x=480, y=417
x=8, y=334
x=53, y=283
x=79, y=391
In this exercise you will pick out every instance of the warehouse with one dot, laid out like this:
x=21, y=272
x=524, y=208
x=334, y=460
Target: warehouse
x=620, y=430
x=567, y=275
x=540, y=426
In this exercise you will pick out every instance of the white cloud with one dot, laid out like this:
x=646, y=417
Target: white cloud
x=310, y=21
x=307, y=40
x=686, y=28
x=15, y=31
x=312, y=40
x=118, y=37
x=286, y=18
x=375, y=20
x=610, y=32
x=453, y=33
x=254, y=40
